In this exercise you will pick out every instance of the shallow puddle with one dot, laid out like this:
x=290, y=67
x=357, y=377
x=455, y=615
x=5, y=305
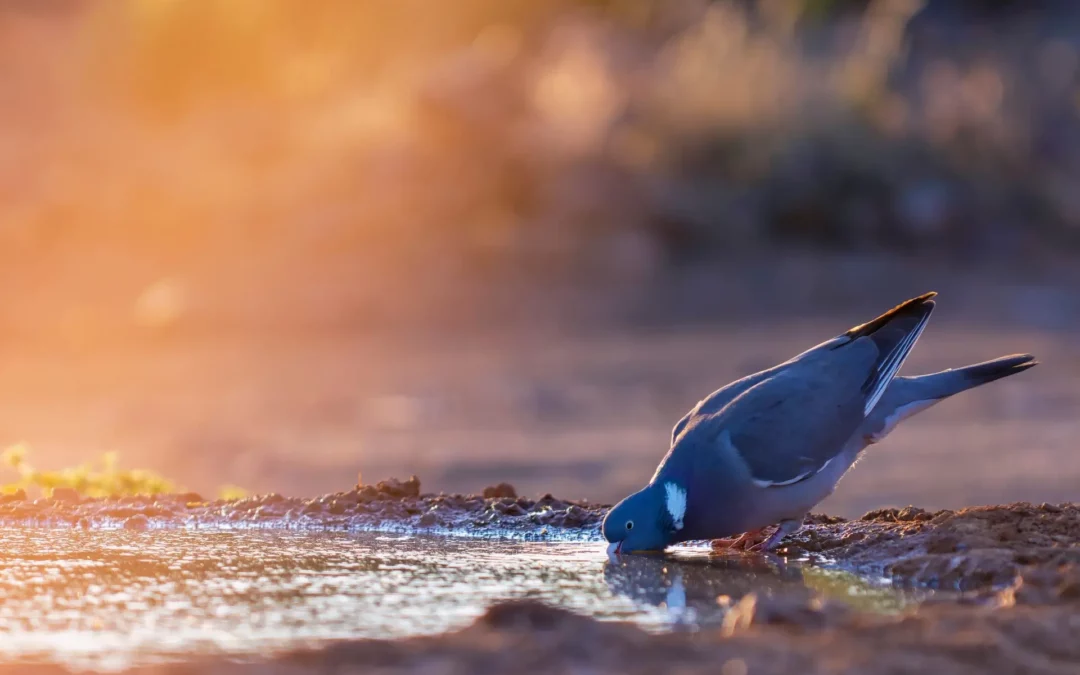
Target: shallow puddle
x=108, y=599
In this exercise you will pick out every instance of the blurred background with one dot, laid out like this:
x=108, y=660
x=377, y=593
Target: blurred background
x=274, y=244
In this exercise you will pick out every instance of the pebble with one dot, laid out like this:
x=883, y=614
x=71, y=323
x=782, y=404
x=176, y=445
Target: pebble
x=138, y=523
x=499, y=491
x=17, y=496
x=395, y=488
x=66, y=495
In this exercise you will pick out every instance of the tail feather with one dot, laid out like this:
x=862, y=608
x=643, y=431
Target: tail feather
x=907, y=396
x=949, y=382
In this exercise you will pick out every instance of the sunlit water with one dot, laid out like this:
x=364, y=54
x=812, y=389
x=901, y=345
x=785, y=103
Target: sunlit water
x=108, y=599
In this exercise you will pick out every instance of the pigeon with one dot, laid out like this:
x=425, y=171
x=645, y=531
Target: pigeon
x=767, y=448
x=905, y=397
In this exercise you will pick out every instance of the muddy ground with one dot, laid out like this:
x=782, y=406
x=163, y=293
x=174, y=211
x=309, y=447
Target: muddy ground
x=1015, y=570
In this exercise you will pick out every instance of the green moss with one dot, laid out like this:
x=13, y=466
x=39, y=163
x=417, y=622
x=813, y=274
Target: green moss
x=231, y=492
x=104, y=478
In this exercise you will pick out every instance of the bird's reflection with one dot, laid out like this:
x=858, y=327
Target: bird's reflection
x=700, y=583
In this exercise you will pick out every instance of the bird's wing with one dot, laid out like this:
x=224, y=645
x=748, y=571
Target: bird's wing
x=715, y=402
x=788, y=423
x=681, y=424
x=791, y=426
x=894, y=333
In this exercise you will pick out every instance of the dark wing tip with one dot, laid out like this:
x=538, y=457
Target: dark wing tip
x=919, y=306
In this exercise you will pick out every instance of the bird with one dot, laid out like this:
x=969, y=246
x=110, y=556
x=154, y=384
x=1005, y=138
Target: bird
x=765, y=449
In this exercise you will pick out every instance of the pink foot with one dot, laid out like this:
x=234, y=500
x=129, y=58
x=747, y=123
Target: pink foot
x=785, y=528
x=743, y=542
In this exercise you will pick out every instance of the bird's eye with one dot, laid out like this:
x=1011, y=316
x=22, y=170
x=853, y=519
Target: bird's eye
x=629, y=525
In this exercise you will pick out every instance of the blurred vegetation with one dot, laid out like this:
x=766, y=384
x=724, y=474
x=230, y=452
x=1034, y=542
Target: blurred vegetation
x=103, y=479
x=232, y=492
x=409, y=142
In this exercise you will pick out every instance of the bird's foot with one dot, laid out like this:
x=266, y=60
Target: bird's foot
x=785, y=528
x=743, y=542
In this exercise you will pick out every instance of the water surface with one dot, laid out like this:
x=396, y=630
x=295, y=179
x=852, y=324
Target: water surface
x=108, y=599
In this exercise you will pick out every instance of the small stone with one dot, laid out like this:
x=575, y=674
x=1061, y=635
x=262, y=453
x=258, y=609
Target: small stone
x=17, y=496
x=66, y=494
x=550, y=501
x=542, y=517
x=428, y=519
x=395, y=488
x=887, y=515
x=500, y=491
x=944, y=544
x=137, y=522
x=366, y=494
x=911, y=513
x=265, y=513
x=350, y=498
x=82, y=524
x=119, y=512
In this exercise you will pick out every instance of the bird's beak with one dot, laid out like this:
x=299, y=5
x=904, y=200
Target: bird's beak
x=614, y=549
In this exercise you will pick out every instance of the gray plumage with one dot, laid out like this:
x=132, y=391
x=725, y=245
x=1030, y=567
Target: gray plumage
x=765, y=449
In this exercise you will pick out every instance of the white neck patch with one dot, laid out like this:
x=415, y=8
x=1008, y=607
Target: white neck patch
x=676, y=503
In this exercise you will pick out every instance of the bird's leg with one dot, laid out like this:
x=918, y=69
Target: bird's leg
x=785, y=528
x=739, y=543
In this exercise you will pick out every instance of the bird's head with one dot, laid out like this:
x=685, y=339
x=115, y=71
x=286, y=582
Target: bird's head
x=648, y=520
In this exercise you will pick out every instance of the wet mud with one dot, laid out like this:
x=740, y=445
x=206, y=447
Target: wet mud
x=1005, y=582
x=970, y=549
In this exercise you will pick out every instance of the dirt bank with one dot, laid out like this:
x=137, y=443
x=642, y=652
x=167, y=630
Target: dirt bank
x=970, y=549
x=390, y=503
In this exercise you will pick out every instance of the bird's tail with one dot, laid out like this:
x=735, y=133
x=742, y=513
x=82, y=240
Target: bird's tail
x=908, y=396
x=937, y=386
